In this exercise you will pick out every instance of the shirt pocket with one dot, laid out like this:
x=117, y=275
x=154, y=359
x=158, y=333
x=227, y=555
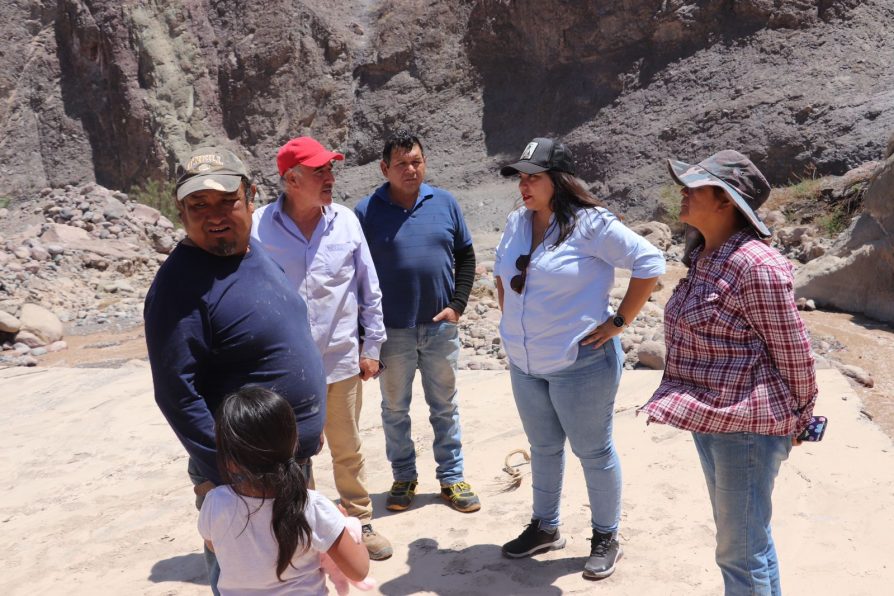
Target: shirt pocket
x=338, y=260
x=702, y=306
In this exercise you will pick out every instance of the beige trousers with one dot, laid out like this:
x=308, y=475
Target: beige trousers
x=343, y=402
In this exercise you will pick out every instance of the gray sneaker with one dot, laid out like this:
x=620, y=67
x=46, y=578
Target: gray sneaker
x=533, y=540
x=604, y=553
x=401, y=495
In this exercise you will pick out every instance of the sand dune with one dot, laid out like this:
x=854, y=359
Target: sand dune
x=96, y=498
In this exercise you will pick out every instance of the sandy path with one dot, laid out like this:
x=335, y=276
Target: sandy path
x=96, y=499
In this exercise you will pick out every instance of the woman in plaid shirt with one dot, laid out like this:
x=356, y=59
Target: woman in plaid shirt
x=740, y=374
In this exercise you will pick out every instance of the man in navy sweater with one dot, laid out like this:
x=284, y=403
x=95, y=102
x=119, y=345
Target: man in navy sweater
x=221, y=314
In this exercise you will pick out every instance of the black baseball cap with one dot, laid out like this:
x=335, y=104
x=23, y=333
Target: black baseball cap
x=540, y=155
x=734, y=173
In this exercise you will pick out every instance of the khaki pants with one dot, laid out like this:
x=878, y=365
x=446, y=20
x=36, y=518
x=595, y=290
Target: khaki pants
x=343, y=402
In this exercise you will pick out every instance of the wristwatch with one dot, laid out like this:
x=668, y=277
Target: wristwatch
x=619, y=321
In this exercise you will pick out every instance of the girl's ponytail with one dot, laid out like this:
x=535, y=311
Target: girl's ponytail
x=289, y=524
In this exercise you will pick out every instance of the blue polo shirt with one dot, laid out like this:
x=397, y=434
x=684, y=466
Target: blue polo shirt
x=413, y=252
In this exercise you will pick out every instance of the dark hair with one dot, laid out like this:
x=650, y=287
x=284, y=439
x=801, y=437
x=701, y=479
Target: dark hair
x=569, y=197
x=402, y=139
x=256, y=441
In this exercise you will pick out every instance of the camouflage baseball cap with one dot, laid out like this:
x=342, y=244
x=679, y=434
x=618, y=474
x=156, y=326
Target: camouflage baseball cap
x=210, y=168
x=540, y=155
x=734, y=173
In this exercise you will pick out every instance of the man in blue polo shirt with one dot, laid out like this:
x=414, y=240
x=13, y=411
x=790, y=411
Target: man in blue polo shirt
x=423, y=255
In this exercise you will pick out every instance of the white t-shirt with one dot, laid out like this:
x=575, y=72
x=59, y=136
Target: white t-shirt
x=247, y=553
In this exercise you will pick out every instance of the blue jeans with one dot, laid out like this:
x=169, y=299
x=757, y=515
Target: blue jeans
x=433, y=348
x=576, y=403
x=740, y=469
x=211, y=563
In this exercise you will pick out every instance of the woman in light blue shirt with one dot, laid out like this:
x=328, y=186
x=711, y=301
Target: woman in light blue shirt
x=555, y=266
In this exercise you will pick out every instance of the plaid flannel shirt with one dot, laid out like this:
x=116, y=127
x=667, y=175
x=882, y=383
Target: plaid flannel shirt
x=738, y=353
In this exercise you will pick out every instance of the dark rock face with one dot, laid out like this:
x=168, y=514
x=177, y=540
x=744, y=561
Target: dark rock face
x=118, y=91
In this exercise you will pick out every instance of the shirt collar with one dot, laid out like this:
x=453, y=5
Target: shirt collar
x=279, y=215
x=727, y=248
x=425, y=192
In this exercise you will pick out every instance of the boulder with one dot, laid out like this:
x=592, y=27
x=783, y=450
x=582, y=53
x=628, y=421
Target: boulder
x=145, y=214
x=29, y=339
x=652, y=354
x=857, y=272
x=73, y=238
x=655, y=232
x=8, y=323
x=112, y=208
x=41, y=322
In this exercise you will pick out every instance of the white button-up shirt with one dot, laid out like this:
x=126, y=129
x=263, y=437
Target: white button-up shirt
x=566, y=293
x=334, y=273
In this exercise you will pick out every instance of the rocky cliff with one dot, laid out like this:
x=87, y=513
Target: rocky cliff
x=116, y=91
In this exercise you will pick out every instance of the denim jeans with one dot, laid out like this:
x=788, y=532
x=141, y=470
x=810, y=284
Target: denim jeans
x=576, y=403
x=740, y=469
x=433, y=348
x=211, y=563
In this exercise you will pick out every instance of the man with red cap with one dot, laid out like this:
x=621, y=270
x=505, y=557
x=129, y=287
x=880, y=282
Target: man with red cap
x=321, y=248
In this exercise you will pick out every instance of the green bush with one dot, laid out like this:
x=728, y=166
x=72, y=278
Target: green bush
x=833, y=223
x=4, y=202
x=669, y=199
x=159, y=195
x=805, y=189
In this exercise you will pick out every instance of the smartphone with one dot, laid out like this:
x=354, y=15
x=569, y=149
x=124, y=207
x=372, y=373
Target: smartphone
x=381, y=369
x=815, y=430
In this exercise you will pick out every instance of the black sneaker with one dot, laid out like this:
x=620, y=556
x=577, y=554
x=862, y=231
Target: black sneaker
x=532, y=541
x=401, y=495
x=604, y=553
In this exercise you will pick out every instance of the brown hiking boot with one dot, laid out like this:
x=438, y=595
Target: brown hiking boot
x=378, y=546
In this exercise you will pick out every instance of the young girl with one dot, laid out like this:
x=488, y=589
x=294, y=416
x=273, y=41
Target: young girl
x=267, y=529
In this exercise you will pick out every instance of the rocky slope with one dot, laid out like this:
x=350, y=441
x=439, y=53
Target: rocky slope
x=116, y=91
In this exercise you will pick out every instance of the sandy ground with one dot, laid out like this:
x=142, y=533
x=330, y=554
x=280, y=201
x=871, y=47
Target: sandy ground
x=96, y=498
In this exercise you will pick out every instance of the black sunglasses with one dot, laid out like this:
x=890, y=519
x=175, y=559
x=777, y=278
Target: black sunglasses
x=517, y=283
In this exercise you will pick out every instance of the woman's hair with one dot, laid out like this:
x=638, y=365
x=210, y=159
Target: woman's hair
x=256, y=440
x=569, y=197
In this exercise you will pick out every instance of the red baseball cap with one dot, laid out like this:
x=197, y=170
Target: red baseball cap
x=305, y=151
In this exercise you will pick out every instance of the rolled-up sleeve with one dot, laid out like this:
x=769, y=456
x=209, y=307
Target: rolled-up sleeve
x=767, y=297
x=621, y=247
x=369, y=301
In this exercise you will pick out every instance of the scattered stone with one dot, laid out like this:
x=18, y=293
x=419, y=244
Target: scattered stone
x=805, y=304
x=29, y=339
x=856, y=373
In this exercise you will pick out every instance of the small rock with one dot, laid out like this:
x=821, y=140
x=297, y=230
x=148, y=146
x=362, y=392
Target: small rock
x=652, y=354
x=25, y=360
x=28, y=339
x=856, y=373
